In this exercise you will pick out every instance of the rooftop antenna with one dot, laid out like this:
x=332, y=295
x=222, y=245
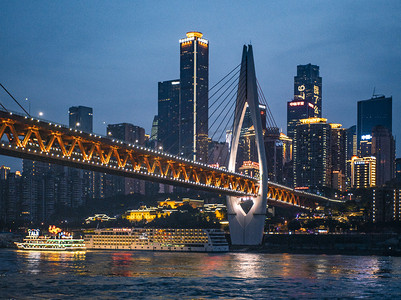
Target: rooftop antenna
x=376, y=95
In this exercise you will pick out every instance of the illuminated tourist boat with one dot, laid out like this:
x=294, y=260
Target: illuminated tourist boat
x=62, y=241
x=189, y=240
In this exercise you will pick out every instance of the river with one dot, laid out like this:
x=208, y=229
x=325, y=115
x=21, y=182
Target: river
x=169, y=275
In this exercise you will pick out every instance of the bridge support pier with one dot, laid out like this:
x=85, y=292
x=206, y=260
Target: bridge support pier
x=246, y=215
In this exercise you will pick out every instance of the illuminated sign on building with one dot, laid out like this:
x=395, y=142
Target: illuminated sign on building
x=316, y=97
x=301, y=89
x=366, y=137
x=297, y=103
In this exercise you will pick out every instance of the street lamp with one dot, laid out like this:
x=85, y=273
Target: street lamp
x=29, y=105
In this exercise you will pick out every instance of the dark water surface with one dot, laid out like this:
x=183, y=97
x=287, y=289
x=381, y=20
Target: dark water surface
x=169, y=275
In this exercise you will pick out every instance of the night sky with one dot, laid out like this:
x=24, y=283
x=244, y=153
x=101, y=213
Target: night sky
x=109, y=55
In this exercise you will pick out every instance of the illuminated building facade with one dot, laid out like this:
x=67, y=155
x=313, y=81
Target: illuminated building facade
x=168, y=115
x=338, y=156
x=363, y=171
x=386, y=205
x=308, y=87
x=383, y=148
x=296, y=111
x=250, y=168
x=147, y=214
x=312, y=153
x=374, y=112
x=194, y=98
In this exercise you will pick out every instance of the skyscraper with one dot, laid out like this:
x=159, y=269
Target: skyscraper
x=81, y=117
x=308, y=87
x=338, y=156
x=194, y=98
x=298, y=110
x=312, y=153
x=168, y=115
x=374, y=112
x=383, y=148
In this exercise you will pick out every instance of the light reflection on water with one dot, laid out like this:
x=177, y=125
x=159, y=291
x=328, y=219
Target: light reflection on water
x=164, y=275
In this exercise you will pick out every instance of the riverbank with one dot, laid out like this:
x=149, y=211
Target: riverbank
x=344, y=244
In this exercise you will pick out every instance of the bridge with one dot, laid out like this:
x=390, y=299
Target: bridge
x=36, y=139
x=32, y=138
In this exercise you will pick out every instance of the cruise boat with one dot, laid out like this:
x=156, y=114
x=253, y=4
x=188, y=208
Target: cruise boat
x=60, y=242
x=189, y=240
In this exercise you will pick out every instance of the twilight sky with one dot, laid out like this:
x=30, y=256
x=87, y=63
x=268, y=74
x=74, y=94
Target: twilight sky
x=109, y=55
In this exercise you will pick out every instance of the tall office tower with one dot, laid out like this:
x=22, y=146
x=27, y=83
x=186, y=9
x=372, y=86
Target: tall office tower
x=374, y=112
x=308, y=87
x=398, y=170
x=194, y=98
x=352, y=148
x=168, y=115
x=81, y=117
x=287, y=160
x=128, y=133
x=386, y=205
x=296, y=111
x=274, y=154
x=383, y=148
x=363, y=172
x=312, y=153
x=338, y=156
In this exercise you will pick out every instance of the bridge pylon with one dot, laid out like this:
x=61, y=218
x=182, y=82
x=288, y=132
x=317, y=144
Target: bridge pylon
x=246, y=215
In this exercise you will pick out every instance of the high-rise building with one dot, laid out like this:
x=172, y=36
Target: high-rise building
x=383, y=148
x=168, y=115
x=308, y=87
x=386, y=205
x=374, y=112
x=274, y=154
x=352, y=148
x=338, y=156
x=312, y=153
x=296, y=111
x=194, y=98
x=363, y=172
x=127, y=132
x=81, y=117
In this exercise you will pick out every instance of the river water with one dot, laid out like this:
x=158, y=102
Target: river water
x=169, y=275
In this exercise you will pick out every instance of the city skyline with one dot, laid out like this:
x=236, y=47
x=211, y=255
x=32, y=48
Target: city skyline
x=80, y=55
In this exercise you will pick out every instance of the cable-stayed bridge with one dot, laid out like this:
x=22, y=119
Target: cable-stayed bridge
x=31, y=138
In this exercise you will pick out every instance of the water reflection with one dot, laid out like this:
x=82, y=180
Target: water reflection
x=95, y=274
x=52, y=260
